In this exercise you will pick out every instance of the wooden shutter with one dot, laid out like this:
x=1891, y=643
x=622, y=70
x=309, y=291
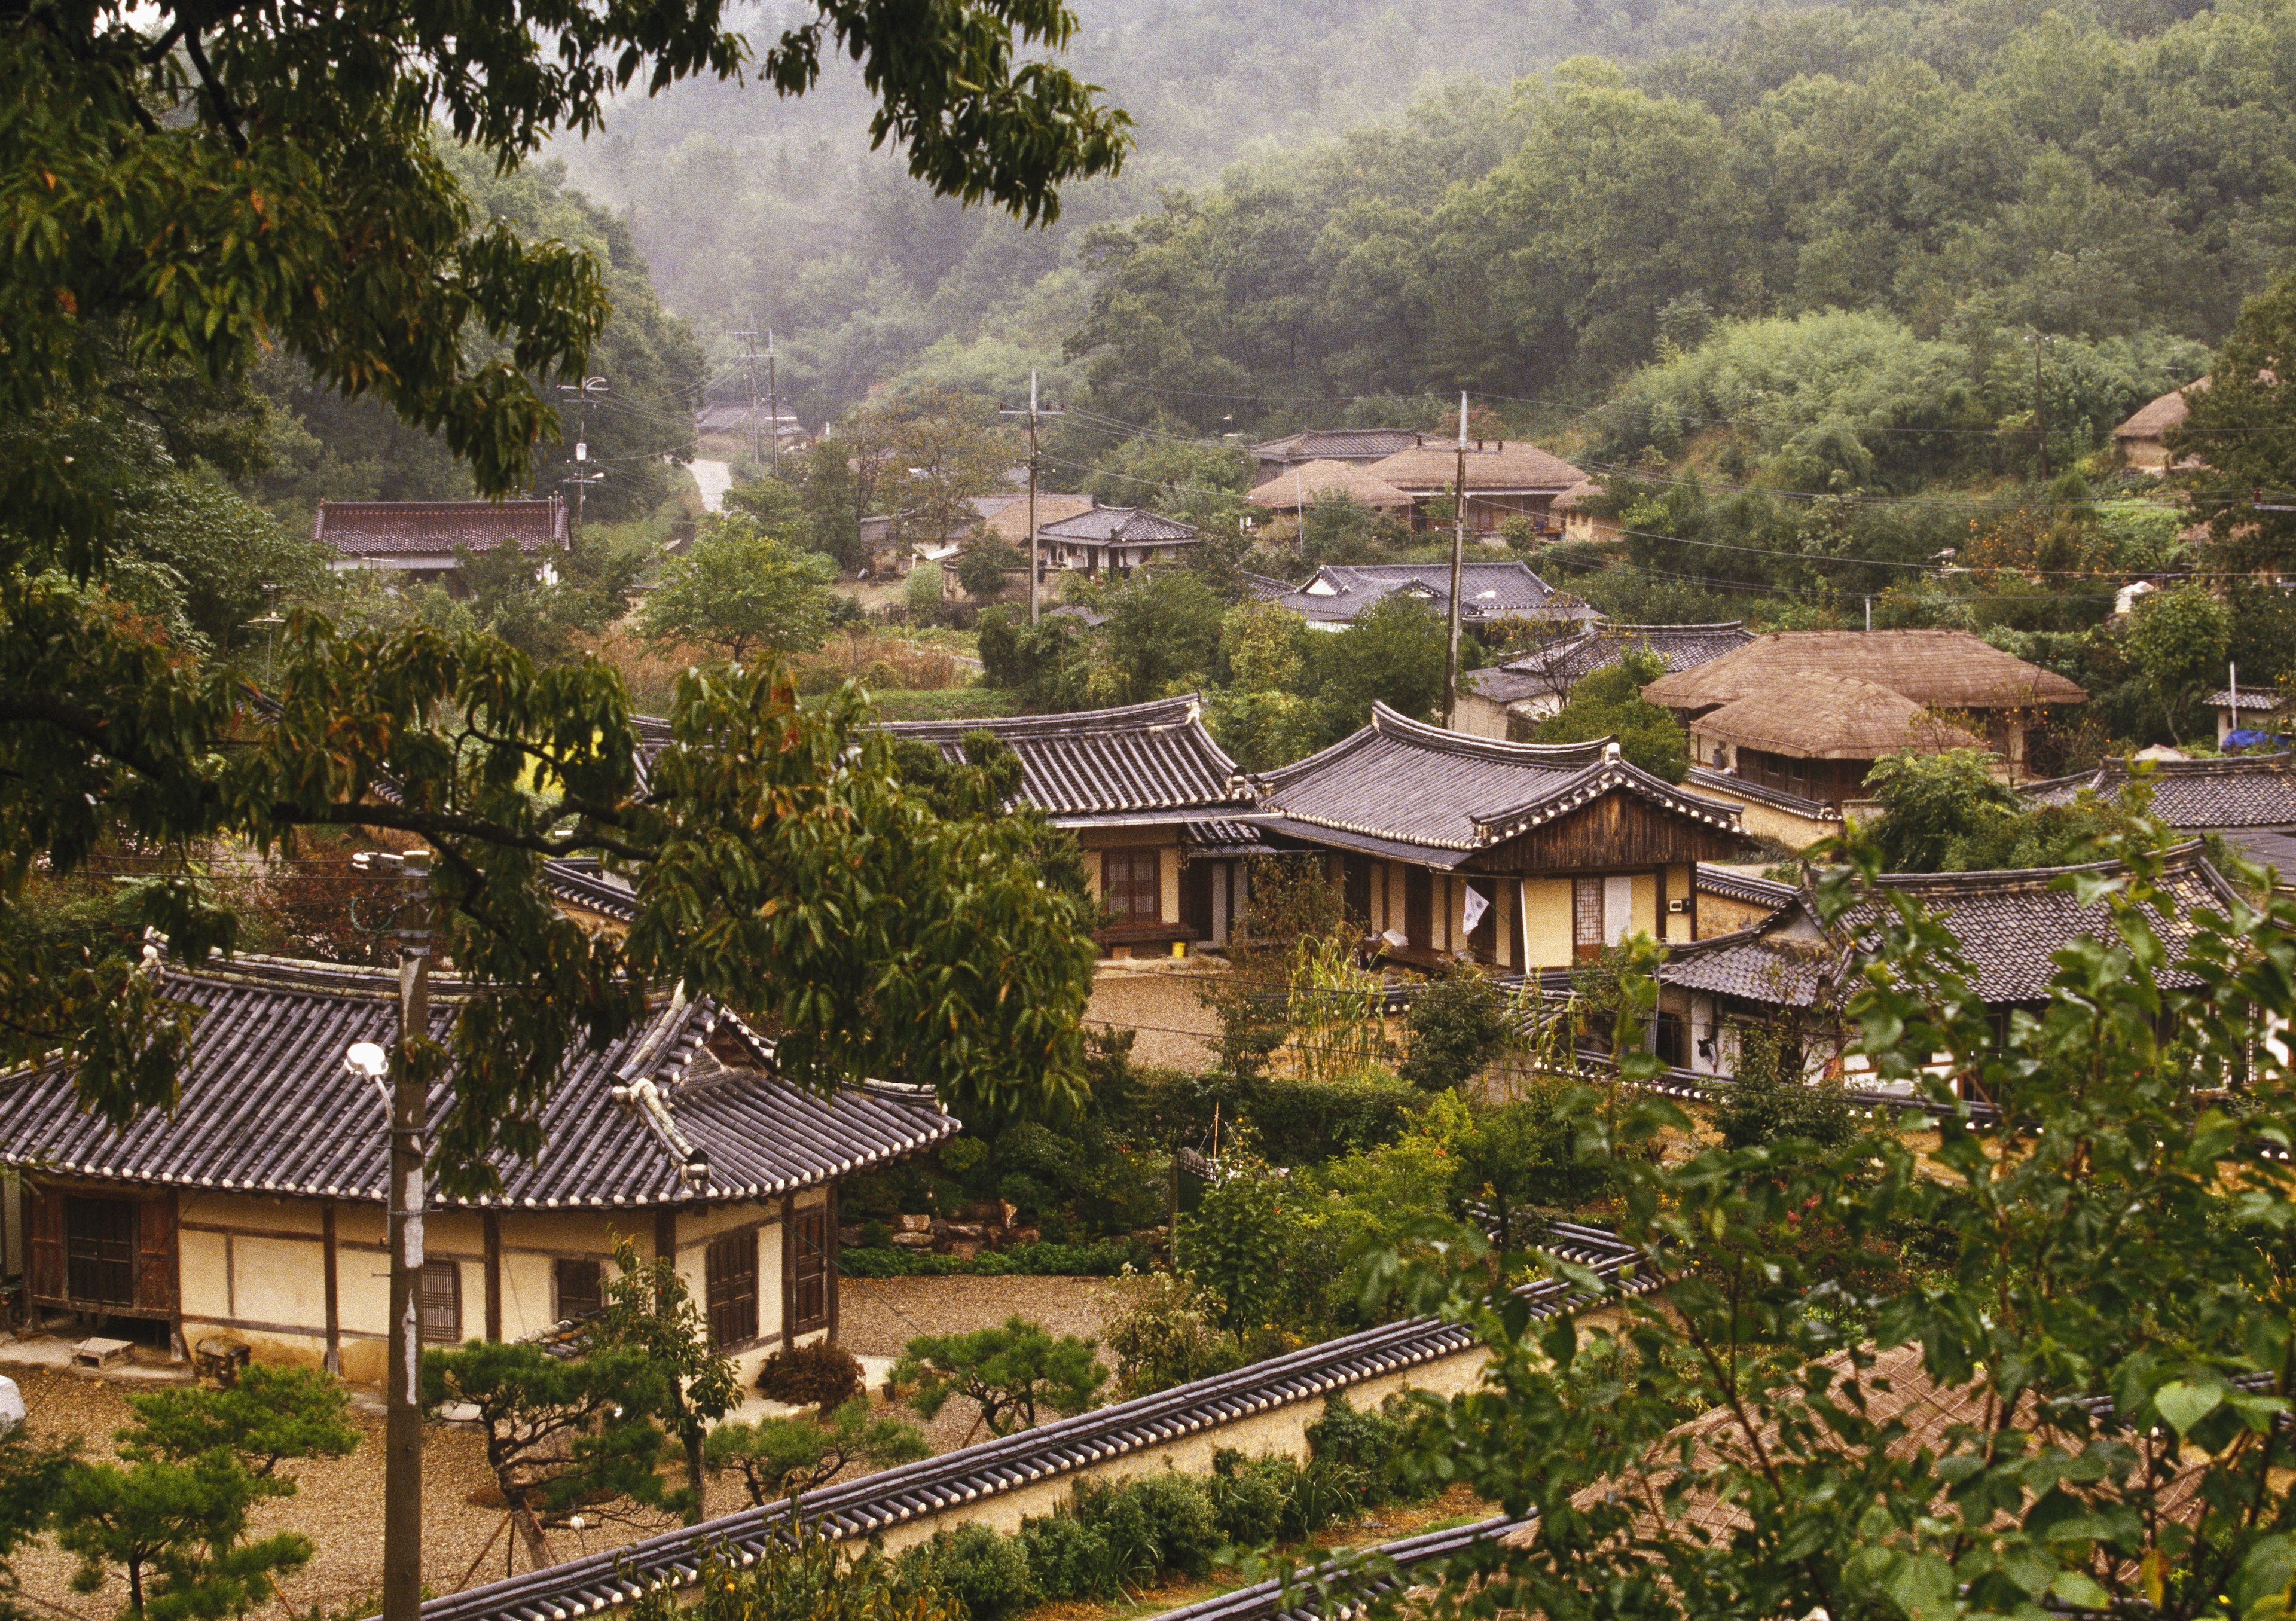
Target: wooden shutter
x=44, y=1223
x=730, y=1265
x=1132, y=886
x=809, y=1296
x=580, y=1289
x=1418, y=906
x=1354, y=872
x=442, y=1303
x=1585, y=917
x=155, y=1255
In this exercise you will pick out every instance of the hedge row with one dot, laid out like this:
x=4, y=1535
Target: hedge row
x=1110, y=1540
x=1104, y=1259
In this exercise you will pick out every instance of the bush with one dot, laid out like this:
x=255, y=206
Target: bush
x=1307, y=1122
x=986, y=1573
x=1251, y=1497
x=1458, y=1026
x=819, y=1375
x=1104, y=1259
x=1769, y=1099
x=1370, y=1444
x=1164, y=1337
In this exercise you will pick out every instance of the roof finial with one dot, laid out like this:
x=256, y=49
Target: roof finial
x=1611, y=749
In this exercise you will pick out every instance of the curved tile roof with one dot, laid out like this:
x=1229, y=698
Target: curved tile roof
x=2240, y=791
x=1410, y=785
x=1336, y=593
x=266, y=1106
x=393, y=528
x=1107, y=525
x=1141, y=760
x=1561, y=664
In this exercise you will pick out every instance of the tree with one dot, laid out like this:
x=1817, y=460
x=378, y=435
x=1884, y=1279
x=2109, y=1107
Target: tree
x=2240, y=429
x=948, y=449
x=1528, y=1154
x=828, y=492
x=650, y=1310
x=31, y=1472
x=590, y=1430
x=981, y=567
x=1456, y=1025
x=1930, y=802
x=1162, y=632
x=1393, y=654
x=1009, y=1372
x=2180, y=638
x=1608, y=703
x=740, y=591
x=1234, y=1242
x=2106, y=1308
x=779, y=1458
x=269, y=1416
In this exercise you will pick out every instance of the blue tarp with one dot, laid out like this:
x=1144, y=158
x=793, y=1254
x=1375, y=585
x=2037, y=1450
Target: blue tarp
x=2246, y=738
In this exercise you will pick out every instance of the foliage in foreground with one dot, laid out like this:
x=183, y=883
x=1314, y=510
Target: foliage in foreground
x=2109, y=1284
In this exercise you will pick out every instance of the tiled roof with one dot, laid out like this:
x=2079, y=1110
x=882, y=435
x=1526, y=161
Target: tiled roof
x=1336, y=593
x=583, y=886
x=2008, y=925
x=1749, y=888
x=266, y=1106
x=1492, y=465
x=1439, y=796
x=2240, y=791
x=399, y=528
x=1145, y=762
x=1010, y=518
x=1561, y=664
x=1947, y=669
x=1738, y=786
x=1336, y=444
x=1115, y=524
x=2266, y=700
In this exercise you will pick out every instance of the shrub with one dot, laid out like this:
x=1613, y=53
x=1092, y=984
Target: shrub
x=1307, y=1122
x=819, y=1375
x=1067, y=1559
x=1178, y=1511
x=1104, y=1259
x=1768, y=1099
x=1370, y=1444
x=1164, y=1337
x=1250, y=1497
x=1458, y=1026
x=985, y=1572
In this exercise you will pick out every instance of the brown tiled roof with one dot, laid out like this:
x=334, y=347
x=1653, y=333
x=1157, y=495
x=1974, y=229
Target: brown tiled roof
x=399, y=528
x=2158, y=416
x=2240, y=791
x=1815, y=714
x=1320, y=479
x=1561, y=664
x=266, y=1106
x=1336, y=444
x=1438, y=796
x=1146, y=762
x=1492, y=465
x=1940, y=669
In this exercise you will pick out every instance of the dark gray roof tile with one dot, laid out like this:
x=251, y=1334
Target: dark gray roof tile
x=1150, y=759
x=2241, y=790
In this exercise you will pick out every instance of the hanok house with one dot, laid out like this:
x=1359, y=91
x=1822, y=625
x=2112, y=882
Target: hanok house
x=420, y=540
x=1313, y=482
x=1792, y=973
x=1817, y=735
x=2142, y=442
x=1582, y=525
x=253, y=1211
x=1356, y=446
x=2246, y=717
x=1520, y=855
x=1506, y=480
x=2249, y=800
x=1113, y=540
x=1947, y=672
x=1490, y=593
x=1152, y=800
x=1531, y=687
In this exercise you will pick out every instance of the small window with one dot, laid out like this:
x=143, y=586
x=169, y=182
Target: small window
x=580, y=1289
x=730, y=1264
x=1132, y=885
x=812, y=1277
x=442, y=1303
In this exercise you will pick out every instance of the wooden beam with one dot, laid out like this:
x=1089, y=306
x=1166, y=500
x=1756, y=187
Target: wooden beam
x=491, y=1224
x=334, y=1307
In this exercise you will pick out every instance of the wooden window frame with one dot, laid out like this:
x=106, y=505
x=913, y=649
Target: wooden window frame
x=728, y=1261
x=1585, y=904
x=86, y=1260
x=1121, y=875
x=448, y=1267
x=588, y=1300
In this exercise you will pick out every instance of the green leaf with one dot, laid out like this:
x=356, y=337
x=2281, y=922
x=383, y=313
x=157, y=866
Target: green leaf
x=2183, y=1404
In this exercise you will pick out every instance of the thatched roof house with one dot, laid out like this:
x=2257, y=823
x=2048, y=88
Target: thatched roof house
x=1506, y=478
x=1818, y=734
x=1323, y=479
x=2142, y=441
x=1935, y=669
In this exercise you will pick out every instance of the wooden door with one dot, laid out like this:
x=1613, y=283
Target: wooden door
x=1418, y=906
x=43, y=1236
x=100, y=1251
x=1196, y=897
x=155, y=1256
x=1354, y=871
x=809, y=1275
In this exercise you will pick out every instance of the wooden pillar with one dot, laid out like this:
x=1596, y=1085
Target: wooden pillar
x=491, y=1224
x=665, y=1234
x=334, y=1307
x=1662, y=926
x=789, y=1271
x=829, y=1254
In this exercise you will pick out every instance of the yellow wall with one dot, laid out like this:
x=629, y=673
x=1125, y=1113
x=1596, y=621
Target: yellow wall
x=1768, y=822
x=1643, y=909
x=1546, y=922
x=1679, y=879
x=1165, y=838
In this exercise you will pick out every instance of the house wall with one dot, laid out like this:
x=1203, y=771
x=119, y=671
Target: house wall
x=1479, y=716
x=1763, y=820
x=1546, y=922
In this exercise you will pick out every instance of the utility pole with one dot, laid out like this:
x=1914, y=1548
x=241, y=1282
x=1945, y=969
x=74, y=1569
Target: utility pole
x=2040, y=402
x=749, y=337
x=409, y=1104
x=773, y=404
x=582, y=476
x=1458, y=566
x=1033, y=413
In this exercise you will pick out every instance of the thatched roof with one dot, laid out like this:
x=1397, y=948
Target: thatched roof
x=1010, y=520
x=1321, y=480
x=1817, y=715
x=2154, y=420
x=1577, y=495
x=1492, y=465
x=1940, y=669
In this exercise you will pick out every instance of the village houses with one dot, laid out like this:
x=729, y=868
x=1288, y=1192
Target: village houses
x=422, y=543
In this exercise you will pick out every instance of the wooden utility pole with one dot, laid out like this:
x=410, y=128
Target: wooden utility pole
x=409, y=1103
x=582, y=477
x=773, y=403
x=1034, y=411
x=749, y=337
x=2040, y=404
x=1458, y=567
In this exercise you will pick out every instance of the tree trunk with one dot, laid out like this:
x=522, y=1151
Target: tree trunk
x=537, y=1542
x=693, y=1472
